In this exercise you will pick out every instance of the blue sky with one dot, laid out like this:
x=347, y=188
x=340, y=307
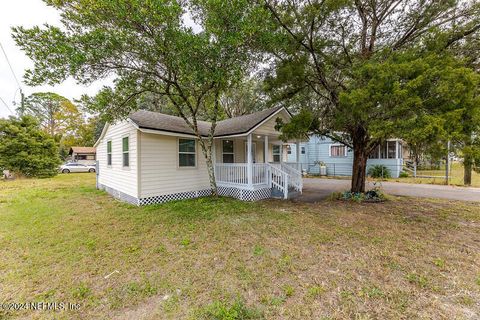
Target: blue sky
x=29, y=13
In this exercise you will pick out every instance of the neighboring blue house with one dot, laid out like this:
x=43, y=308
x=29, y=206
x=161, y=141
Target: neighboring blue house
x=339, y=158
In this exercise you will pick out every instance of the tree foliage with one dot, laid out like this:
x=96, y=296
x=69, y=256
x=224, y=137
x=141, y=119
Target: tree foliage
x=247, y=97
x=26, y=149
x=151, y=50
x=57, y=115
x=346, y=59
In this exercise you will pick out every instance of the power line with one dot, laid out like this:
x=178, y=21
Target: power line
x=16, y=80
x=6, y=105
x=10, y=65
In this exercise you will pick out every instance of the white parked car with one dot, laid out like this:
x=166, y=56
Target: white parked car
x=76, y=167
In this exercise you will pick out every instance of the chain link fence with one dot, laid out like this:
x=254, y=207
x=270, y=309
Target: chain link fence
x=424, y=173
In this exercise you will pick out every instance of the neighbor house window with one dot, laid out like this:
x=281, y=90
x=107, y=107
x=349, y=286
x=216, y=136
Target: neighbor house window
x=338, y=151
x=388, y=150
x=81, y=157
x=109, y=153
x=375, y=153
x=227, y=151
x=391, y=149
x=276, y=153
x=289, y=149
x=383, y=150
x=126, y=154
x=303, y=150
x=186, y=153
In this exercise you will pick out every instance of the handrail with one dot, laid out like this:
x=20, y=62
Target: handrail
x=296, y=180
x=278, y=178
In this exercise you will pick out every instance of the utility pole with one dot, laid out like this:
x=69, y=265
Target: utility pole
x=447, y=163
x=22, y=102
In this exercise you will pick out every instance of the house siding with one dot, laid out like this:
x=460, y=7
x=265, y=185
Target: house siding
x=160, y=173
x=117, y=177
x=268, y=127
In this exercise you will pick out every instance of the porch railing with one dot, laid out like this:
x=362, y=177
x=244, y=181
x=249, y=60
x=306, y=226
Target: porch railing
x=279, y=176
x=259, y=174
x=231, y=173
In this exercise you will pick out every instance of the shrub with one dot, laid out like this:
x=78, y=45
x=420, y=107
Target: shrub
x=374, y=195
x=27, y=150
x=379, y=171
x=403, y=174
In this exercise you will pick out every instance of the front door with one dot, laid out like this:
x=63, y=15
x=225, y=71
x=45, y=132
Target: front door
x=254, y=152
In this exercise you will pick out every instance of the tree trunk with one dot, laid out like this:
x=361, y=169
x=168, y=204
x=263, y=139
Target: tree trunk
x=207, y=151
x=360, y=155
x=467, y=170
x=359, y=170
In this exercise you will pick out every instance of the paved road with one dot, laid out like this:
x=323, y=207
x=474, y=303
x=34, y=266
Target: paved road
x=315, y=189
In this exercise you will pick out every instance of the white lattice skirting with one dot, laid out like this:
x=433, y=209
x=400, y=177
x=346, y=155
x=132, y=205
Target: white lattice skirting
x=241, y=194
x=175, y=196
x=245, y=195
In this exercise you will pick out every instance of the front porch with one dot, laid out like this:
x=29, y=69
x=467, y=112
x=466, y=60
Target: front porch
x=252, y=167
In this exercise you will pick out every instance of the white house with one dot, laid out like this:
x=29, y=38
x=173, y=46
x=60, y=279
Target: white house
x=153, y=158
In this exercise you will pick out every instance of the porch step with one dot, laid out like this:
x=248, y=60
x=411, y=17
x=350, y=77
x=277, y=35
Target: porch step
x=292, y=193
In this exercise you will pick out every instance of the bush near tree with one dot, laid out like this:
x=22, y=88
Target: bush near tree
x=379, y=171
x=27, y=150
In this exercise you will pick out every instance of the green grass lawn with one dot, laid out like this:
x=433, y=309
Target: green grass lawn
x=214, y=258
x=438, y=177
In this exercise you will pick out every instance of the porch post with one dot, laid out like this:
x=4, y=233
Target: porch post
x=266, y=156
x=249, y=160
x=214, y=152
x=265, y=152
x=298, y=155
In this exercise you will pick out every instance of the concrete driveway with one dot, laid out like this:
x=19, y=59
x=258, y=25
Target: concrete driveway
x=316, y=189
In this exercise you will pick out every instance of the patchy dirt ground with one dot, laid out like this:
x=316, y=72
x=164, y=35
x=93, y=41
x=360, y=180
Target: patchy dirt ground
x=214, y=258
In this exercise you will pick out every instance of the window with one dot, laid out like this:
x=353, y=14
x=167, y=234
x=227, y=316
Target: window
x=276, y=153
x=81, y=157
x=338, y=150
x=375, y=153
x=125, y=152
x=388, y=150
x=383, y=151
x=109, y=153
x=186, y=153
x=302, y=150
x=391, y=149
x=227, y=151
x=289, y=149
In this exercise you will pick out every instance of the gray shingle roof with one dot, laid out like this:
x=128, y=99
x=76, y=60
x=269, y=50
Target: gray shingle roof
x=82, y=150
x=238, y=125
x=164, y=122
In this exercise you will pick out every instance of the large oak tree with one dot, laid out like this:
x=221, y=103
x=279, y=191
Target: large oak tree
x=188, y=52
x=331, y=52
